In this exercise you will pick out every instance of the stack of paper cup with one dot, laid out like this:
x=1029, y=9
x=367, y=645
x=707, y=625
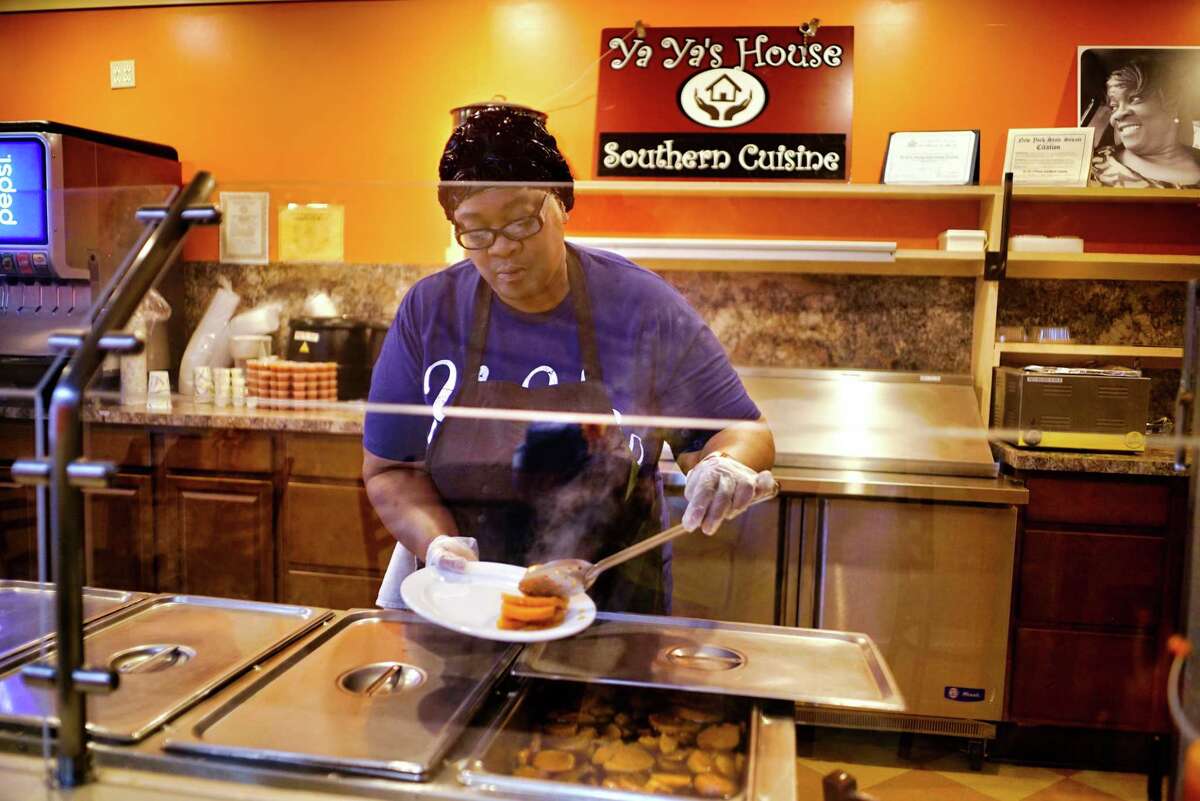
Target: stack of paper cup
x=202, y=384
x=221, y=386
x=158, y=391
x=237, y=386
x=133, y=381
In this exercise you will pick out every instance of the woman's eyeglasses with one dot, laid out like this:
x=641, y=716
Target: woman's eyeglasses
x=515, y=231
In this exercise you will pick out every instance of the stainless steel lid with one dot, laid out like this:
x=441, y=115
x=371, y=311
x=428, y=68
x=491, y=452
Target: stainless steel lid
x=827, y=668
x=915, y=423
x=170, y=652
x=380, y=693
x=27, y=613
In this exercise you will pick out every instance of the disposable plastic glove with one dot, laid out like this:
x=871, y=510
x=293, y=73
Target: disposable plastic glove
x=720, y=487
x=451, y=554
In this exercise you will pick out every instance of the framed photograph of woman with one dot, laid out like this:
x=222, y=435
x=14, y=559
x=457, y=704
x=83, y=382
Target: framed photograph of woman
x=1144, y=104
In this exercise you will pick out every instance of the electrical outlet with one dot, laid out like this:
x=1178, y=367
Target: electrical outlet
x=120, y=74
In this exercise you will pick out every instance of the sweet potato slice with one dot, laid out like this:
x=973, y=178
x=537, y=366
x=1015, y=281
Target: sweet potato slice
x=725, y=766
x=532, y=600
x=695, y=715
x=723, y=737
x=554, y=761
x=713, y=785
x=629, y=759
x=676, y=781
x=699, y=762
x=527, y=614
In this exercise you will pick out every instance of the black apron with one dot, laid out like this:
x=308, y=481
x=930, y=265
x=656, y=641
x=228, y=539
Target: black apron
x=533, y=491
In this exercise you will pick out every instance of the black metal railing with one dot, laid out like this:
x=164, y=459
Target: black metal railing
x=64, y=473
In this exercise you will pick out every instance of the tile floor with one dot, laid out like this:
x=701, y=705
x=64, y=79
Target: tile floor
x=937, y=772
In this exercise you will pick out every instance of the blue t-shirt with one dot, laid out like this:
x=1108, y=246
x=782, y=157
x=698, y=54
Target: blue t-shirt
x=657, y=355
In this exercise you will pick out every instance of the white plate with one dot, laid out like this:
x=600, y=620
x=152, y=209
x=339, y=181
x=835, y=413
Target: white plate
x=470, y=604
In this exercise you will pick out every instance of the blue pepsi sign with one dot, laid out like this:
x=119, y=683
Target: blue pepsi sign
x=23, y=219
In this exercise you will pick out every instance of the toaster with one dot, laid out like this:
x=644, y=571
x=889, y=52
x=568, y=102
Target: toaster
x=1072, y=407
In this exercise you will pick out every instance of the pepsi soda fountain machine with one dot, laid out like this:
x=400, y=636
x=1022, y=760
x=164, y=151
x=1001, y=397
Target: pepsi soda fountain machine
x=68, y=197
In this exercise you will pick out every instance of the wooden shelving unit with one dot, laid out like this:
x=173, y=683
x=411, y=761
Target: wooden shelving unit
x=986, y=353
x=1104, y=194
x=1104, y=266
x=1053, y=354
x=713, y=256
x=781, y=189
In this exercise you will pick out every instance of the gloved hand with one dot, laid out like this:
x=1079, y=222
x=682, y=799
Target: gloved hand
x=720, y=487
x=451, y=554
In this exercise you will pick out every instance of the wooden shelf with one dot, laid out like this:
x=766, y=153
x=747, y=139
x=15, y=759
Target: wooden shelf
x=908, y=263
x=1104, y=194
x=1103, y=266
x=791, y=189
x=799, y=189
x=1052, y=354
x=700, y=255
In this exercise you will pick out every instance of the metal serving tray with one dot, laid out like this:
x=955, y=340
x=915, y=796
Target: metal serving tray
x=770, y=754
x=171, y=651
x=27, y=614
x=827, y=668
x=381, y=693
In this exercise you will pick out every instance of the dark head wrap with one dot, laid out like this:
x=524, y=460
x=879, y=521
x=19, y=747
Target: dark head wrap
x=505, y=145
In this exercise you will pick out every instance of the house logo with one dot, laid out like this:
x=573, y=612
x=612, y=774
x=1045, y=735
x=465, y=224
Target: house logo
x=723, y=90
x=722, y=97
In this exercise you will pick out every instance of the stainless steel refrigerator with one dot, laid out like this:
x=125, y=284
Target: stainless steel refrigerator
x=897, y=525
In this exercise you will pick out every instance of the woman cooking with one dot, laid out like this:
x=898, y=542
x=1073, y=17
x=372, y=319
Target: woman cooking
x=1152, y=131
x=531, y=323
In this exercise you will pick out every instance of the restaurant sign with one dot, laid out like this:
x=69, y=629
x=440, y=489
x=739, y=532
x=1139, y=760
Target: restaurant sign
x=762, y=103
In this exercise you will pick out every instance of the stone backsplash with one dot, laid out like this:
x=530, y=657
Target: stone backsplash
x=782, y=320
x=367, y=291
x=1098, y=312
x=770, y=319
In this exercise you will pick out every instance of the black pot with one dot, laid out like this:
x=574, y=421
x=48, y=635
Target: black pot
x=463, y=113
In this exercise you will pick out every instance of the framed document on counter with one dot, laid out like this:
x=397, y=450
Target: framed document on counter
x=1049, y=156
x=931, y=158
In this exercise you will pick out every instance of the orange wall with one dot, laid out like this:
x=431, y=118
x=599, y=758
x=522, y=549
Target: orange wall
x=347, y=101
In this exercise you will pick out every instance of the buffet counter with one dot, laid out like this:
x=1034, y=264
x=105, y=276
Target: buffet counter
x=303, y=723
x=346, y=419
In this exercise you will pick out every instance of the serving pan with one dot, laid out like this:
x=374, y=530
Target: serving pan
x=378, y=692
x=27, y=614
x=170, y=652
x=810, y=666
x=765, y=756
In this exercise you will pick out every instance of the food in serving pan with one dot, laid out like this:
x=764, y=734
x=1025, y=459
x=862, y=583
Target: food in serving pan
x=674, y=744
x=522, y=612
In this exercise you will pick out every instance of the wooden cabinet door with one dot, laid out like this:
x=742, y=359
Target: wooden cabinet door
x=1086, y=678
x=18, y=531
x=214, y=537
x=334, y=547
x=119, y=534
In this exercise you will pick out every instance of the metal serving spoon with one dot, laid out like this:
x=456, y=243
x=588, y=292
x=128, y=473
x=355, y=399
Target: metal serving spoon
x=567, y=577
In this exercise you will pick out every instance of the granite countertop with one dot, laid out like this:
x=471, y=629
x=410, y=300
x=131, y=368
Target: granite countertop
x=345, y=418
x=1150, y=463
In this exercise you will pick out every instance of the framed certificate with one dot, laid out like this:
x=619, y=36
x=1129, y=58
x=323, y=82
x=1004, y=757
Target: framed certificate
x=1049, y=156
x=931, y=158
x=245, y=231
